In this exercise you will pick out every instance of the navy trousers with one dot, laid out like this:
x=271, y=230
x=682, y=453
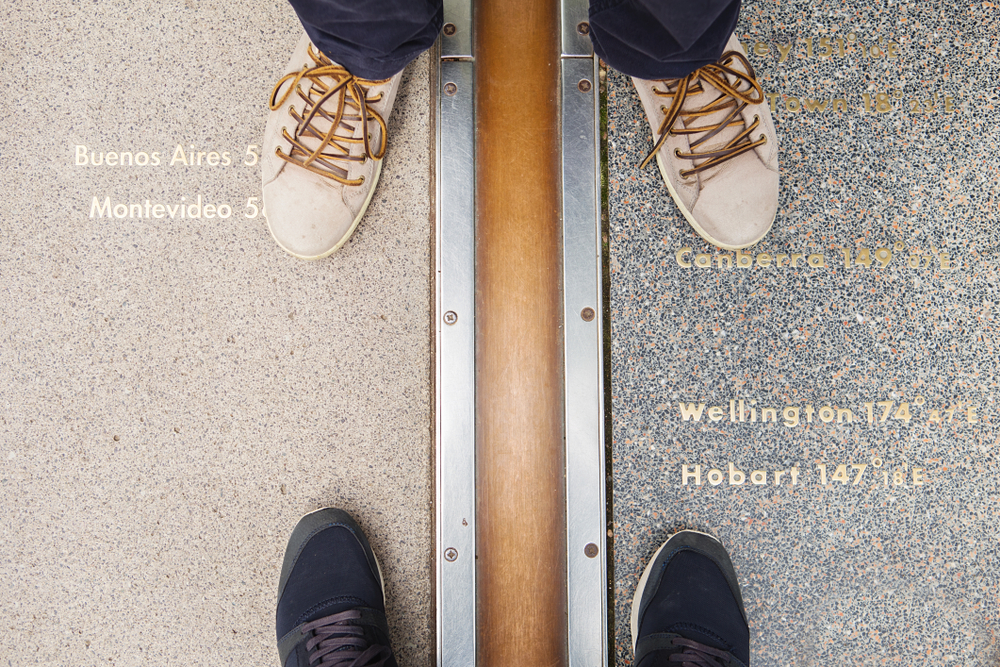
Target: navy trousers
x=648, y=39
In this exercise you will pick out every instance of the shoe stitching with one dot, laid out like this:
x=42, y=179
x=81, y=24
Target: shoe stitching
x=329, y=81
x=732, y=95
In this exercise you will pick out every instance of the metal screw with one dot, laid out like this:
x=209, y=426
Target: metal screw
x=591, y=550
x=451, y=554
x=450, y=317
x=449, y=29
x=450, y=88
x=584, y=86
x=587, y=314
x=583, y=28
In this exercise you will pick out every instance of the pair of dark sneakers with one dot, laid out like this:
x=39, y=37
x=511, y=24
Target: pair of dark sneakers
x=687, y=609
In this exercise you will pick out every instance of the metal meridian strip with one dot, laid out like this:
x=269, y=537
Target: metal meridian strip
x=455, y=247
x=586, y=560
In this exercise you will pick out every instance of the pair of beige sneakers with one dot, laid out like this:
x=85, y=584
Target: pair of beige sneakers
x=714, y=142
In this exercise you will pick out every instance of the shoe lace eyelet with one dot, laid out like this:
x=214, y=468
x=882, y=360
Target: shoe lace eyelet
x=764, y=137
x=756, y=118
x=362, y=179
x=677, y=152
x=663, y=109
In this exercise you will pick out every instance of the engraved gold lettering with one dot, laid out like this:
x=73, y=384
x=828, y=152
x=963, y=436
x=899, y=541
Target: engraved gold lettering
x=777, y=477
x=763, y=260
x=793, y=104
x=935, y=417
x=903, y=413
x=679, y=256
x=860, y=467
x=826, y=414
x=825, y=49
x=898, y=478
x=821, y=467
x=715, y=477
x=892, y=50
x=840, y=474
x=795, y=257
x=815, y=106
x=761, y=49
x=783, y=50
x=843, y=413
x=791, y=416
x=742, y=418
x=949, y=104
x=758, y=477
x=809, y=46
x=886, y=409
x=809, y=413
x=179, y=156
x=688, y=411
x=971, y=414
x=703, y=261
x=945, y=259
x=772, y=99
x=743, y=260
x=778, y=258
x=816, y=260
x=918, y=476
x=795, y=475
x=732, y=410
x=882, y=104
x=764, y=412
x=838, y=104
x=686, y=475
x=913, y=261
x=884, y=256
x=736, y=477
x=728, y=258
x=715, y=413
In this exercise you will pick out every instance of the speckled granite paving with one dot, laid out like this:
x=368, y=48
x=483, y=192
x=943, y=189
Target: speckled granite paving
x=176, y=393
x=866, y=570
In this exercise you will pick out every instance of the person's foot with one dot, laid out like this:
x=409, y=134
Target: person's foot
x=331, y=609
x=688, y=608
x=716, y=148
x=323, y=150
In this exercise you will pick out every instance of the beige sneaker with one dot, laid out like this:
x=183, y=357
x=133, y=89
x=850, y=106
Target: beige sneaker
x=716, y=148
x=323, y=150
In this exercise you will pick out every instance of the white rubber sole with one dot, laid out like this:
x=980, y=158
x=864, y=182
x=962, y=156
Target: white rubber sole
x=347, y=236
x=644, y=579
x=694, y=223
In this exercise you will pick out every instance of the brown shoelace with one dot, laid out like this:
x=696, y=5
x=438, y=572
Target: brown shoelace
x=733, y=96
x=327, y=81
x=339, y=642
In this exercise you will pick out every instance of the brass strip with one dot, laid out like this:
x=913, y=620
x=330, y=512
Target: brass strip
x=521, y=526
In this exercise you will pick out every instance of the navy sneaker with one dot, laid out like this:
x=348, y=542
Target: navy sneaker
x=331, y=604
x=688, y=609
